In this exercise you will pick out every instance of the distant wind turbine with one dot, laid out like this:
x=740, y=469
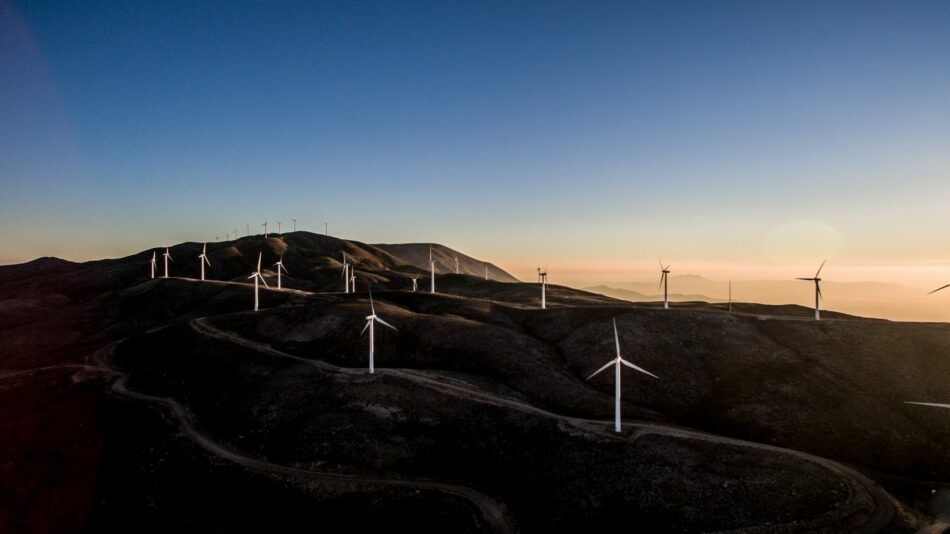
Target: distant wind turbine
x=817, y=282
x=248, y=228
x=486, y=272
x=370, y=320
x=265, y=228
x=295, y=224
x=234, y=233
x=730, y=295
x=280, y=266
x=202, y=259
x=415, y=284
x=278, y=227
x=326, y=229
x=664, y=283
x=153, y=264
x=617, y=362
x=167, y=257
x=258, y=276
x=456, y=265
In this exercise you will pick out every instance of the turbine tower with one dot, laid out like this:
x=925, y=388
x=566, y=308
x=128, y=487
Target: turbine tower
x=456, y=265
x=248, y=229
x=295, y=224
x=167, y=257
x=664, y=283
x=153, y=264
x=543, y=280
x=415, y=284
x=278, y=227
x=257, y=276
x=265, y=228
x=202, y=259
x=617, y=362
x=730, y=296
x=486, y=272
x=370, y=320
x=346, y=275
x=280, y=266
x=817, y=282
x=234, y=233
x=432, y=270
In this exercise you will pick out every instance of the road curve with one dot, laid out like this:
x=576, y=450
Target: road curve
x=493, y=512
x=885, y=507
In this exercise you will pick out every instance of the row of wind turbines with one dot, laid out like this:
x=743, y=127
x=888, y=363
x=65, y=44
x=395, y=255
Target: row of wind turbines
x=247, y=230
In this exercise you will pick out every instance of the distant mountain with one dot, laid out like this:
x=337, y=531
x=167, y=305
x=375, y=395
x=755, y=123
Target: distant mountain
x=636, y=296
x=417, y=255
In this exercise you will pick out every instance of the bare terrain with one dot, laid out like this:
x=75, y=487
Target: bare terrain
x=166, y=404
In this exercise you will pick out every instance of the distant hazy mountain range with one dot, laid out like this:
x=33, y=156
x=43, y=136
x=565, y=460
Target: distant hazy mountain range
x=868, y=299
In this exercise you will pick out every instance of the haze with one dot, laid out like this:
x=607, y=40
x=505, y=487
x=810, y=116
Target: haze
x=734, y=140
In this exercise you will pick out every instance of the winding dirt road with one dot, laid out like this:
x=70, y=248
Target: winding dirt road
x=885, y=506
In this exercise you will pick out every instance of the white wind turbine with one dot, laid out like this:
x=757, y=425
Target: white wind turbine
x=167, y=257
x=248, y=229
x=456, y=265
x=280, y=265
x=278, y=227
x=616, y=362
x=295, y=224
x=202, y=259
x=265, y=228
x=370, y=320
x=486, y=272
x=817, y=282
x=664, y=283
x=432, y=270
x=258, y=276
x=153, y=264
x=415, y=284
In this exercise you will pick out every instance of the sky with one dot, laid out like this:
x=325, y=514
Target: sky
x=732, y=139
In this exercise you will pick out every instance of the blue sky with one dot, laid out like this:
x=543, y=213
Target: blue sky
x=597, y=136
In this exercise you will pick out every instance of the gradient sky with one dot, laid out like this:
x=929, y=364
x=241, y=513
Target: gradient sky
x=731, y=138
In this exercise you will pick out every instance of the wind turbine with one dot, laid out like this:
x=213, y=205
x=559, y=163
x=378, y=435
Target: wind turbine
x=432, y=270
x=486, y=272
x=326, y=229
x=265, y=228
x=257, y=276
x=543, y=280
x=278, y=227
x=248, y=228
x=664, y=283
x=280, y=265
x=234, y=233
x=370, y=320
x=817, y=282
x=153, y=264
x=353, y=279
x=938, y=289
x=415, y=284
x=295, y=224
x=456, y=265
x=202, y=259
x=167, y=257
x=616, y=362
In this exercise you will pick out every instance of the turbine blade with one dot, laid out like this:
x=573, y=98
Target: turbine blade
x=385, y=323
x=806, y=279
x=365, y=327
x=616, y=337
x=262, y=280
x=818, y=289
x=371, y=306
x=630, y=365
x=208, y=261
x=284, y=268
x=252, y=276
x=820, y=268
x=938, y=289
x=259, y=261
x=935, y=405
x=662, y=276
x=606, y=365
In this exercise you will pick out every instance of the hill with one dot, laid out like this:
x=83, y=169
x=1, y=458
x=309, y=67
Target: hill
x=168, y=404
